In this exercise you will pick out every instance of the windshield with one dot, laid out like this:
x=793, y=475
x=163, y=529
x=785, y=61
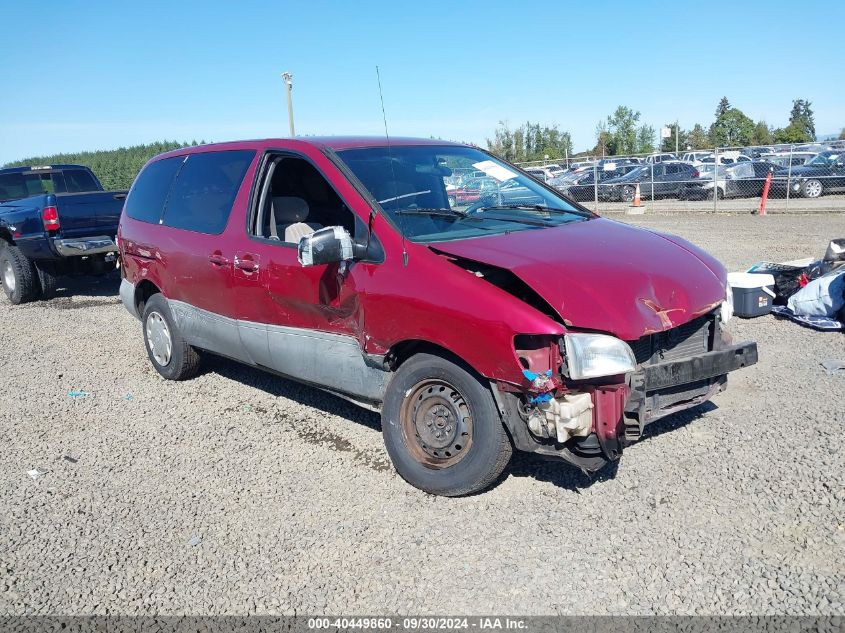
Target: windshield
x=409, y=183
x=824, y=160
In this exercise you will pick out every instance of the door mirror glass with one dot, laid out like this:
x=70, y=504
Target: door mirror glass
x=330, y=245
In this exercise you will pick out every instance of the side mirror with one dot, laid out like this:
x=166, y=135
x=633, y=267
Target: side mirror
x=330, y=245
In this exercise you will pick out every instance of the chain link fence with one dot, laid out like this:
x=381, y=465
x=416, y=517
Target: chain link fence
x=799, y=178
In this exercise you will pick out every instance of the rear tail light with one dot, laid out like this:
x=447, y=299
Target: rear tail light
x=50, y=217
x=696, y=174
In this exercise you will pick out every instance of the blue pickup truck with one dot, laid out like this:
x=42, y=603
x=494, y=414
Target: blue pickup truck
x=55, y=220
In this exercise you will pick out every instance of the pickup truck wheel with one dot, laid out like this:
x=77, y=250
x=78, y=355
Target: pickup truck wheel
x=171, y=356
x=48, y=282
x=18, y=275
x=442, y=429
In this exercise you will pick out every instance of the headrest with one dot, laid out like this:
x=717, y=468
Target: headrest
x=289, y=209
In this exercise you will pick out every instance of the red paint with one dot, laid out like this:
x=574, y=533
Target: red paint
x=598, y=274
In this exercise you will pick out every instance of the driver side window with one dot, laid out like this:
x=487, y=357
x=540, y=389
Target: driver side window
x=296, y=200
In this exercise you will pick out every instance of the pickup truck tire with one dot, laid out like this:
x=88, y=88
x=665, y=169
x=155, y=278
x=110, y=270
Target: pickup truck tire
x=18, y=275
x=171, y=356
x=48, y=282
x=442, y=428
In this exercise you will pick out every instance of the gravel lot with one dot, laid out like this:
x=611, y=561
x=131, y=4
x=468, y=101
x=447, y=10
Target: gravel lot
x=735, y=507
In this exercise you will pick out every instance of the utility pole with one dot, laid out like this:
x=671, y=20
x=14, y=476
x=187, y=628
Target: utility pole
x=288, y=79
x=677, y=137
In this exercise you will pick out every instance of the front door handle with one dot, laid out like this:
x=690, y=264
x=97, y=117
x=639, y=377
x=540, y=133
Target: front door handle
x=246, y=264
x=218, y=260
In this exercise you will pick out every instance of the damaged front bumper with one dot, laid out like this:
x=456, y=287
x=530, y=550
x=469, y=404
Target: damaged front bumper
x=590, y=425
x=660, y=389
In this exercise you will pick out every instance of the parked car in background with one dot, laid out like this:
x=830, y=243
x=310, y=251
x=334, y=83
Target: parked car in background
x=54, y=220
x=741, y=180
x=472, y=190
x=758, y=152
x=582, y=186
x=785, y=159
x=575, y=166
x=824, y=173
x=659, y=180
x=545, y=173
x=652, y=159
x=338, y=262
x=696, y=158
x=728, y=157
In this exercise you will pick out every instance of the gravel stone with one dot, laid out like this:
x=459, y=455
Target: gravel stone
x=735, y=507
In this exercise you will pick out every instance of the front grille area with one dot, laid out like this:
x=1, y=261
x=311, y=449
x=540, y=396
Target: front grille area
x=689, y=339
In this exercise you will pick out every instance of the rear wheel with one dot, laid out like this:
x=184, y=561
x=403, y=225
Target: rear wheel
x=628, y=194
x=18, y=275
x=812, y=188
x=47, y=280
x=171, y=356
x=442, y=429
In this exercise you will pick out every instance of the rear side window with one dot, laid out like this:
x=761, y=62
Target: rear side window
x=202, y=197
x=149, y=192
x=79, y=180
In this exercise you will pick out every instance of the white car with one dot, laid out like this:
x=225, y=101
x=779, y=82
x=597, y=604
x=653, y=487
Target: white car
x=696, y=158
x=652, y=159
x=546, y=172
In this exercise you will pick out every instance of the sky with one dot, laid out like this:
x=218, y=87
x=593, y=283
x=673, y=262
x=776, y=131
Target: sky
x=98, y=75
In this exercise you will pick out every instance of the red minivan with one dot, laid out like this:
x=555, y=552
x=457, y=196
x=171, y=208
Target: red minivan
x=339, y=262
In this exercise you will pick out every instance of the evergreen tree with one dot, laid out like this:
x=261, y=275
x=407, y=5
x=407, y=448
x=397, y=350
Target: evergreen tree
x=723, y=107
x=801, y=118
x=115, y=168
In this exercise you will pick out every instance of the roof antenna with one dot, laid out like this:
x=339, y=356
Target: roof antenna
x=392, y=169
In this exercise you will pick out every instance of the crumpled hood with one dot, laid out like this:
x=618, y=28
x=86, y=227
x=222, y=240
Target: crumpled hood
x=607, y=276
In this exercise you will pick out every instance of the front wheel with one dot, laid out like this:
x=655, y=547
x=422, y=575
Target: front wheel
x=442, y=429
x=812, y=189
x=628, y=194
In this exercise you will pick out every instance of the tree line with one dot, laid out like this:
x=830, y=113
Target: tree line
x=116, y=168
x=623, y=133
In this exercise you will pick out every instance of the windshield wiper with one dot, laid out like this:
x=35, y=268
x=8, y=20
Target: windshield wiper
x=537, y=207
x=441, y=212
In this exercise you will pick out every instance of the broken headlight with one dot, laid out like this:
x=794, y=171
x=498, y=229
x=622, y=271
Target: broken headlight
x=728, y=304
x=594, y=355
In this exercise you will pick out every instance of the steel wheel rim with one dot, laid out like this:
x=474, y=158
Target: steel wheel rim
x=814, y=189
x=9, y=276
x=158, y=338
x=436, y=424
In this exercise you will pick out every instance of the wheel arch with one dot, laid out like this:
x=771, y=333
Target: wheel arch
x=6, y=236
x=143, y=291
x=401, y=352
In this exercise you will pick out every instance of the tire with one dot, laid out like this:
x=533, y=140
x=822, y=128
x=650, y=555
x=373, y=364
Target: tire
x=18, y=275
x=812, y=188
x=167, y=350
x=628, y=194
x=430, y=395
x=47, y=281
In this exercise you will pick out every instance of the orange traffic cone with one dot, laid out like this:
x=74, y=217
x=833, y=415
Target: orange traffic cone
x=637, y=201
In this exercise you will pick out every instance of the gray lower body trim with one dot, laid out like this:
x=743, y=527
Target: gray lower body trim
x=85, y=246
x=334, y=362
x=127, y=296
